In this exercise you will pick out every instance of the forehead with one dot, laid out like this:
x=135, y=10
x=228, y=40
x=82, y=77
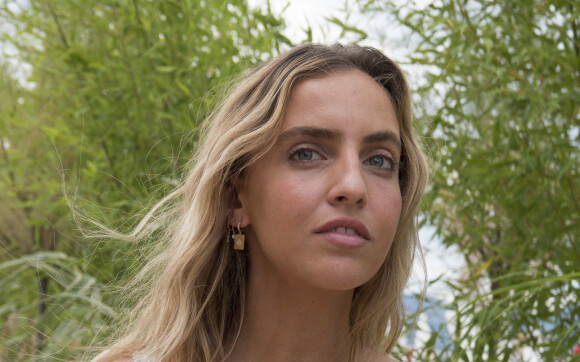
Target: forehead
x=343, y=100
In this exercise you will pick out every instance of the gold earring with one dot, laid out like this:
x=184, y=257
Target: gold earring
x=239, y=238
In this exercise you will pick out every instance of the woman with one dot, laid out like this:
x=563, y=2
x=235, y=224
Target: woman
x=293, y=235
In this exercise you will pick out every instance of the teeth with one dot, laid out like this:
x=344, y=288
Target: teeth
x=346, y=231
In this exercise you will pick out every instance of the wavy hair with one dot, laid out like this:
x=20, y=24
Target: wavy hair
x=193, y=291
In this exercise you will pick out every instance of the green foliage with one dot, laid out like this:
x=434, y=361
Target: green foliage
x=501, y=104
x=116, y=91
x=74, y=309
x=118, y=87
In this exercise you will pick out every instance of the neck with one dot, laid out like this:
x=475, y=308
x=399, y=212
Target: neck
x=288, y=321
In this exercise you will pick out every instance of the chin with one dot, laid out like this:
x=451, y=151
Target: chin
x=344, y=278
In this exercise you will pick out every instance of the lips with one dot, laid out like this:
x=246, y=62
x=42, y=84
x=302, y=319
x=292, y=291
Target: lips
x=345, y=225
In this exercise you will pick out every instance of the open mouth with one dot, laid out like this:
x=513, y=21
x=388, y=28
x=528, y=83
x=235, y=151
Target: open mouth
x=347, y=231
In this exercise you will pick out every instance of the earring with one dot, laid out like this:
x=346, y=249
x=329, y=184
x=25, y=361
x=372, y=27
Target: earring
x=239, y=238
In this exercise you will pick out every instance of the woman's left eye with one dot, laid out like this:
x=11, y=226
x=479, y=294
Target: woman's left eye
x=382, y=162
x=305, y=155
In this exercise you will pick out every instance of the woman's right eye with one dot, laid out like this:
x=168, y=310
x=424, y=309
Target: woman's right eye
x=305, y=155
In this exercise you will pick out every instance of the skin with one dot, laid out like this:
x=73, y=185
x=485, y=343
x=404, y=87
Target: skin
x=301, y=280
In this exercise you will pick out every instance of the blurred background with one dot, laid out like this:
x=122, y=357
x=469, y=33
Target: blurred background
x=99, y=106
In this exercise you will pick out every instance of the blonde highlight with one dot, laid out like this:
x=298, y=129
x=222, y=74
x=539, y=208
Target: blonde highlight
x=193, y=309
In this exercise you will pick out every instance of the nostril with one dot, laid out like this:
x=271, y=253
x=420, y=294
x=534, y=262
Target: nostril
x=346, y=199
x=348, y=184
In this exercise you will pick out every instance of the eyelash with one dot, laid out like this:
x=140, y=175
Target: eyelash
x=390, y=160
x=296, y=150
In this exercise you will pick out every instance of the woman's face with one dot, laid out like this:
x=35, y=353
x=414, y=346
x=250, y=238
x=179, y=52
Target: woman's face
x=323, y=205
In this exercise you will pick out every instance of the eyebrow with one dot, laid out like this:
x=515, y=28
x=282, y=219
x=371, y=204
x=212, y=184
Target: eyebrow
x=386, y=136
x=334, y=135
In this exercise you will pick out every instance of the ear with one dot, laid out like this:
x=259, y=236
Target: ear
x=237, y=205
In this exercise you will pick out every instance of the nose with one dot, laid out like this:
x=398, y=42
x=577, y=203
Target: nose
x=348, y=186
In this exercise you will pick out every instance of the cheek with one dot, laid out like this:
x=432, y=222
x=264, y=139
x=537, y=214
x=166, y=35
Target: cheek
x=282, y=199
x=388, y=206
x=271, y=197
x=387, y=210
x=396, y=202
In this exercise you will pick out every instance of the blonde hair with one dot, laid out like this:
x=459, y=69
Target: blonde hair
x=193, y=308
